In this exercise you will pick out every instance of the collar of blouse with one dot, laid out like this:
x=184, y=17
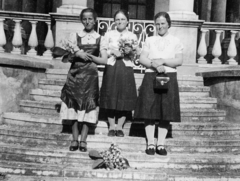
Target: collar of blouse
x=93, y=34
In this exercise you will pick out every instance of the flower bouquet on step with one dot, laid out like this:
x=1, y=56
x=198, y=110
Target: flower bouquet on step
x=110, y=159
x=128, y=47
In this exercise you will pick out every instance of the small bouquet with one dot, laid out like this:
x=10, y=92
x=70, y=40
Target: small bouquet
x=127, y=47
x=110, y=159
x=68, y=46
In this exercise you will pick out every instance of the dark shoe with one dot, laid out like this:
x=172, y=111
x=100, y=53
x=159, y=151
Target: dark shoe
x=73, y=148
x=111, y=133
x=161, y=151
x=119, y=133
x=150, y=151
x=83, y=148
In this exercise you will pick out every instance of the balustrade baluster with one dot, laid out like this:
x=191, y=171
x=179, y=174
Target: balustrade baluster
x=2, y=35
x=17, y=38
x=49, y=43
x=217, y=50
x=202, y=49
x=33, y=40
x=232, y=50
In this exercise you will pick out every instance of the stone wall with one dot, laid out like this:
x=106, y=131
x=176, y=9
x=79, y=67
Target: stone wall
x=17, y=78
x=224, y=85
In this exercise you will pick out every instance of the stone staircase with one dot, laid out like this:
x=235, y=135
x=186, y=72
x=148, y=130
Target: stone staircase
x=203, y=147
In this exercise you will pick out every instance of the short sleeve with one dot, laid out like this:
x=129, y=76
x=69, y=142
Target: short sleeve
x=178, y=47
x=103, y=44
x=146, y=46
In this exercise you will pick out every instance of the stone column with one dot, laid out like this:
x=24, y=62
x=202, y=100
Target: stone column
x=218, y=13
x=161, y=5
x=72, y=6
x=182, y=10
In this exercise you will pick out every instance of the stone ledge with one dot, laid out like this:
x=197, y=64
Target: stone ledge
x=220, y=71
x=24, y=61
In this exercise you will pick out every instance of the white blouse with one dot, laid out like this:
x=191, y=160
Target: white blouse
x=86, y=38
x=165, y=47
x=111, y=39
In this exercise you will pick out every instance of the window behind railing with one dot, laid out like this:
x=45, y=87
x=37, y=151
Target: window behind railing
x=138, y=9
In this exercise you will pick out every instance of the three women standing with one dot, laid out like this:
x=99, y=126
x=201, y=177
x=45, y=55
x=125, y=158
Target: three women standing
x=161, y=54
x=118, y=93
x=80, y=93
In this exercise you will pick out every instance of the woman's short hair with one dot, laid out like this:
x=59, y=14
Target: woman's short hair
x=88, y=10
x=124, y=12
x=165, y=15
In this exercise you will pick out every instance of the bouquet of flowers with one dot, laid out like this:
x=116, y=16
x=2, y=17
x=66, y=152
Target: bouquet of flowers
x=109, y=159
x=127, y=47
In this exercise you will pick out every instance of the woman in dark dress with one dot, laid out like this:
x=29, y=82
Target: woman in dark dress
x=118, y=92
x=80, y=93
x=161, y=54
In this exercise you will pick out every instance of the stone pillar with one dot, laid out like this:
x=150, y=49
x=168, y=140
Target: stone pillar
x=72, y=6
x=161, y=5
x=182, y=10
x=218, y=13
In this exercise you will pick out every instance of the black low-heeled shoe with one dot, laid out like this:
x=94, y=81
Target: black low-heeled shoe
x=83, y=148
x=73, y=148
x=150, y=151
x=161, y=151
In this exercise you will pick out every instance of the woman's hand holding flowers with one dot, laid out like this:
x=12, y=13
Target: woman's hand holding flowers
x=116, y=53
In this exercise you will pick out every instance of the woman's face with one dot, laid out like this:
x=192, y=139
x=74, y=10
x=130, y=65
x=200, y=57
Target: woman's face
x=88, y=21
x=121, y=21
x=161, y=25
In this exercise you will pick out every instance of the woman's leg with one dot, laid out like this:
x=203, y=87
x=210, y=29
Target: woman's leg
x=150, y=131
x=75, y=131
x=84, y=134
x=121, y=121
x=75, y=134
x=162, y=133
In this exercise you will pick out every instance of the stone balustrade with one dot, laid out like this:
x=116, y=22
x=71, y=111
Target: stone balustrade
x=220, y=36
x=29, y=31
x=212, y=35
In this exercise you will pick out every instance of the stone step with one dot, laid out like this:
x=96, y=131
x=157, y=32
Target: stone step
x=193, y=162
x=183, y=79
x=65, y=171
x=53, y=107
x=182, y=176
x=56, y=84
x=46, y=137
x=195, y=129
x=54, y=95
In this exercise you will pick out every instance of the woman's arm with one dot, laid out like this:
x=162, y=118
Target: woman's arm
x=102, y=59
x=145, y=61
x=170, y=62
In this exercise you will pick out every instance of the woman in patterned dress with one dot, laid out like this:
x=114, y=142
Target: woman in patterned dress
x=118, y=92
x=161, y=54
x=80, y=93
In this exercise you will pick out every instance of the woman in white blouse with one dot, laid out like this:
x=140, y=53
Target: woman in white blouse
x=118, y=93
x=161, y=54
x=80, y=93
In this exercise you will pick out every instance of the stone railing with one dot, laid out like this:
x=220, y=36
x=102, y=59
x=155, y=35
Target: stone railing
x=219, y=46
x=21, y=27
x=26, y=32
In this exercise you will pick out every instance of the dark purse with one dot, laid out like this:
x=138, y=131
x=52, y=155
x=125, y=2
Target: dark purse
x=161, y=81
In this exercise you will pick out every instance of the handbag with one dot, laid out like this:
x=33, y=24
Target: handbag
x=161, y=81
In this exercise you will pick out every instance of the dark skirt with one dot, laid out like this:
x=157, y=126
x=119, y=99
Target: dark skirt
x=163, y=106
x=81, y=91
x=118, y=91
